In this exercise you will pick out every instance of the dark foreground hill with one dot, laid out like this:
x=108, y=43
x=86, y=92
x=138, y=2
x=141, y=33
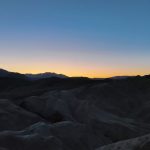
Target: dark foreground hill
x=75, y=114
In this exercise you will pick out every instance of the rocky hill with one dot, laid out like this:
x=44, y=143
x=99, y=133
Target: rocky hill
x=75, y=114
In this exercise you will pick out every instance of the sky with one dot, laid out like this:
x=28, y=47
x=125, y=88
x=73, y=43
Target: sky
x=93, y=38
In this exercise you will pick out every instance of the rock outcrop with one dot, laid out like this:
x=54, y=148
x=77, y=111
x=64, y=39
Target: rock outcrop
x=75, y=114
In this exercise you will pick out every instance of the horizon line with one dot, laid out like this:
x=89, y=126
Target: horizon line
x=117, y=75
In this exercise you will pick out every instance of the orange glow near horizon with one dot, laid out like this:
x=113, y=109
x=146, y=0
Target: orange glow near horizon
x=75, y=71
x=86, y=63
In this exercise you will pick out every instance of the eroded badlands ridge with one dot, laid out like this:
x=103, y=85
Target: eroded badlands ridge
x=74, y=114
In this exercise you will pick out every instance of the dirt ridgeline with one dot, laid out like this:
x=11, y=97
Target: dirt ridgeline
x=75, y=114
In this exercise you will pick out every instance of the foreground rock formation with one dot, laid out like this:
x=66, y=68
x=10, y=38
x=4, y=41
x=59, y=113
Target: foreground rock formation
x=75, y=114
x=139, y=143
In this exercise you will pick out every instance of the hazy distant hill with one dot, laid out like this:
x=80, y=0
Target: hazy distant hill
x=5, y=73
x=45, y=75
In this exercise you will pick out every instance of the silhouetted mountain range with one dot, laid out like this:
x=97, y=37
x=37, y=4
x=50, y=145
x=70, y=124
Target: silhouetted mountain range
x=62, y=113
x=44, y=75
x=5, y=73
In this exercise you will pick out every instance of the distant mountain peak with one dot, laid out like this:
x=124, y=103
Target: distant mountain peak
x=5, y=73
x=45, y=75
x=8, y=74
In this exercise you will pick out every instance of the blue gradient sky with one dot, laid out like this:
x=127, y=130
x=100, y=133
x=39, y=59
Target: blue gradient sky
x=95, y=38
